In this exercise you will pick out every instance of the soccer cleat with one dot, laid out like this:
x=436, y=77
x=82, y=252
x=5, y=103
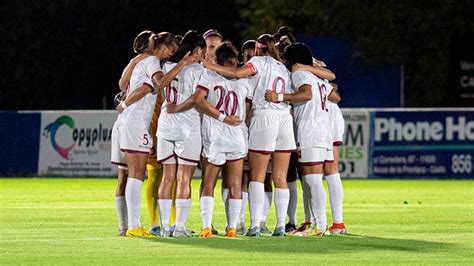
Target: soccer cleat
x=289, y=227
x=264, y=229
x=155, y=230
x=304, y=226
x=166, y=232
x=317, y=232
x=254, y=231
x=214, y=231
x=305, y=232
x=241, y=229
x=139, y=232
x=279, y=231
x=122, y=232
x=337, y=229
x=206, y=232
x=231, y=232
x=182, y=233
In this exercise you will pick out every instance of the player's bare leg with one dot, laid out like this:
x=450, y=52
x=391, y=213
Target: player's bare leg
x=292, y=178
x=313, y=177
x=165, y=196
x=155, y=174
x=280, y=163
x=184, y=175
x=208, y=184
x=267, y=203
x=234, y=182
x=241, y=228
x=120, y=202
x=258, y=168
x=336, y=193
x=136, y=162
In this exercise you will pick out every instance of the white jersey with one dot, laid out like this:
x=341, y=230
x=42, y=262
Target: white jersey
x=178, y=126
x=141, y=112
x=335, y=113
x=269, y=74
x=229, y=97
x=312, y=118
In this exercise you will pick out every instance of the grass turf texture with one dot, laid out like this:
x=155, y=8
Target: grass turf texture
x=73, y=221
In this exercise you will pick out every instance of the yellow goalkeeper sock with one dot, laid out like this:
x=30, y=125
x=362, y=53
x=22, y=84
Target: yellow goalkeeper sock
x=173, y=205
x=155, y=173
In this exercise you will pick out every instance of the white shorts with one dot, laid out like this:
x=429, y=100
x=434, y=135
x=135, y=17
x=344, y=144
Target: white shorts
x=135, y=139
x=220, y=158
x=337, y=132
x=315, y=156
x=187, y=151
x=117, y=156
x=271, y=131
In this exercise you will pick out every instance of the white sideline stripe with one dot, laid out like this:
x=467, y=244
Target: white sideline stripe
x=61, y=239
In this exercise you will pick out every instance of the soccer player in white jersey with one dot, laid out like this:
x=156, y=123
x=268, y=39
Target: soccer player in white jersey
x=140, y=44
x=179, y=136
x=271, y=130
x=312, y=128
x=331, y=169
x=134, y=119
x=222, y=144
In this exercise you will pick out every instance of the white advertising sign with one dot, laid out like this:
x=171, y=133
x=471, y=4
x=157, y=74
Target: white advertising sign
x=76, y=143
x=353, y=153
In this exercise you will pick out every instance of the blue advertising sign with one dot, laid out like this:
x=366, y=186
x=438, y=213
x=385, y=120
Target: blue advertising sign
x=422, y=144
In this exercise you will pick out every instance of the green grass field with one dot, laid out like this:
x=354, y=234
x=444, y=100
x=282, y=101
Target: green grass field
x=73, y=221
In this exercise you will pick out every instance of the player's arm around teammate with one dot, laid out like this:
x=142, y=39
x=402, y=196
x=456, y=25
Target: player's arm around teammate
x=140, y=45
x=135, y=141
x=271, y=130
x=312, y=127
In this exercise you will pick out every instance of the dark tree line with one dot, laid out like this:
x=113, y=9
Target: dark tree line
x=69, y=54
x=417, y=34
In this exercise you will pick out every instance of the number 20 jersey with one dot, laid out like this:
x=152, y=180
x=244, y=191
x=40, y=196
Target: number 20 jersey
x=229, y=97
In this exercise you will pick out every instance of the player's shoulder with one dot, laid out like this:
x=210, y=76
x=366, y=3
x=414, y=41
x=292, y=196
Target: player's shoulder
x=167, y=66
x=300, y=74
x=151, y=59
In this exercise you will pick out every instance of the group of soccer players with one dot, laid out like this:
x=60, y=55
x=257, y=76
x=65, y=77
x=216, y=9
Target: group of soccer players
x=261, y=119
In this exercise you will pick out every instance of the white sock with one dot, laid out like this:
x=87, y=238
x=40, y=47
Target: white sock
x=267, y=204
x=133, y=198
x=207, y=209
x=245, y=198
x=293, y=203
x=182, y=211
x=121, y=206
x=256, y=199
x=282, y=196
x=225, y=199
x=234, y=211
x=336, y=196
x=318, y=199
x=308, y=217
x=164, y=205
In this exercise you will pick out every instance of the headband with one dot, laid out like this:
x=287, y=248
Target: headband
x=261, y=45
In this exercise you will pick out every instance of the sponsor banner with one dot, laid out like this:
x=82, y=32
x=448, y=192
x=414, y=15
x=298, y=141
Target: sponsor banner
x=76, y=143
x=422, y=144
x=353, y=153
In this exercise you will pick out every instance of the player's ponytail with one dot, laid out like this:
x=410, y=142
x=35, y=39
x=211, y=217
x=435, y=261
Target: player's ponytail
x=266, y=46
x=142, y=41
